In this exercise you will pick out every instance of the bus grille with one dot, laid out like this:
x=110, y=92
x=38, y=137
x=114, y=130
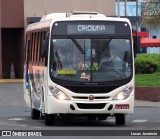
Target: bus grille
x=91, y=90
x=96, y=98
x=91, y=106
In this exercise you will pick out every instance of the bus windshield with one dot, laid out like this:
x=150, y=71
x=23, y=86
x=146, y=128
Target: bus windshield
x=91, y=60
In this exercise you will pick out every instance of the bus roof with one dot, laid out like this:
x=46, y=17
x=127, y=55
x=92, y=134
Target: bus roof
x=46, y=20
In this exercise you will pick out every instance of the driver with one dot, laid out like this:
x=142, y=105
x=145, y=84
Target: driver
x=107, y=60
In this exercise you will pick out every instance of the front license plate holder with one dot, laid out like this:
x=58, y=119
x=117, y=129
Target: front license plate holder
x=122, y=106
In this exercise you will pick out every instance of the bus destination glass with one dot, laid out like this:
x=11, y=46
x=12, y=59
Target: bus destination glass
x=98, y=29
x=91, y=28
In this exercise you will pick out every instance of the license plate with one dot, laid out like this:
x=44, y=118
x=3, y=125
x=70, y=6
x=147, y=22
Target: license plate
x=122, y=106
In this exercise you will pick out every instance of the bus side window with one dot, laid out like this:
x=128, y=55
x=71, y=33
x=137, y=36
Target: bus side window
x=41, y=37
x=29, y=51
x=32, y=47
x=38, y=47
x=26, y=49
x=35, y=48
x=44, y=47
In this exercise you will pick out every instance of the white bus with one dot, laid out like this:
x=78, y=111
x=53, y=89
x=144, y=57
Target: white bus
x=79, y=64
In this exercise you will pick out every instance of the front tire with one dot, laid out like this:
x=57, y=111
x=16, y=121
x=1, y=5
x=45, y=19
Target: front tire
x=120, y=119
x=49, y=119
x=35, y=114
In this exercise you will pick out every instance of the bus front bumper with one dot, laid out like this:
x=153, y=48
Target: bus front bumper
x=55, y=106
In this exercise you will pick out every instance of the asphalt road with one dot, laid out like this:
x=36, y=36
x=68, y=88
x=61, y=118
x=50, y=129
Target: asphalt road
x=15, y=115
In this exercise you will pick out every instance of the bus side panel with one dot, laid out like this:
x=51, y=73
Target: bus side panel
x=26, y=86
x=36, y=81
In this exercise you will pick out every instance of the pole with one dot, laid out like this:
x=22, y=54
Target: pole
x=137, y=15
x=118, y=8
x=136, y=7
x=138, y=47
x=125, y=7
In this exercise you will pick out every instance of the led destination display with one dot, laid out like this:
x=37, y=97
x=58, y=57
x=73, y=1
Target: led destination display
x=90, y=28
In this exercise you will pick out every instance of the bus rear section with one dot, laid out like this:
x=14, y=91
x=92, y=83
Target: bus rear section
x=89, y=70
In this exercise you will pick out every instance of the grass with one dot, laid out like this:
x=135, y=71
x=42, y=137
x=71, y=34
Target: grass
x=148, y=79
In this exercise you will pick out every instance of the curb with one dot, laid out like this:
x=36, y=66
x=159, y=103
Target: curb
x=146, y=104
x=11, y=80
x=148, y=93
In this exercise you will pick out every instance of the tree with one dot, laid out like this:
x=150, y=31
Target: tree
x=151, y=14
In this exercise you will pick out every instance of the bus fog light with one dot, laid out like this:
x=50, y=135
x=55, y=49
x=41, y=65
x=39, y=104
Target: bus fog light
x=123, y=94
x=58, y=94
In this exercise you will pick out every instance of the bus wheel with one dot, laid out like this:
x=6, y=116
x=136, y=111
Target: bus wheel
x=35, y=114
x=49, y=119
x=120, y=119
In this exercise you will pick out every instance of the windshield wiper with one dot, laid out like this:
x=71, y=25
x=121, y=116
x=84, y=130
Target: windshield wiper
x=107, y=42
x=77, y=44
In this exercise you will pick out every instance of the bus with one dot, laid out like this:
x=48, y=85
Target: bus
x=79, y=64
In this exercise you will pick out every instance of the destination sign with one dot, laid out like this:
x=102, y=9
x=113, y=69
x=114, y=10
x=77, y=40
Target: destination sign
x=69, y=72
x=90, y=29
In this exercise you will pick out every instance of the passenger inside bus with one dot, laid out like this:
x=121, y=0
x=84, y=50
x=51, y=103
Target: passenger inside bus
x=64, y=57
x=58, y=57
x=85, y=65
x=108, y=60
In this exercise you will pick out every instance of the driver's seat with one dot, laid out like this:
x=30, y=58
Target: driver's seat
x=107, y=66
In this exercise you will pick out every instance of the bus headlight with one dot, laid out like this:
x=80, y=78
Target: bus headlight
x=123, y=94
x=58, y=94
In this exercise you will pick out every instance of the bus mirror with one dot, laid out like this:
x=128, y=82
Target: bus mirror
x=43, y=50
x=136, y=45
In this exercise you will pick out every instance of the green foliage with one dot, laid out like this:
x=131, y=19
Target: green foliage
x=147, y=63
x=151, y=14
x=95, y=66
x=148, y=79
